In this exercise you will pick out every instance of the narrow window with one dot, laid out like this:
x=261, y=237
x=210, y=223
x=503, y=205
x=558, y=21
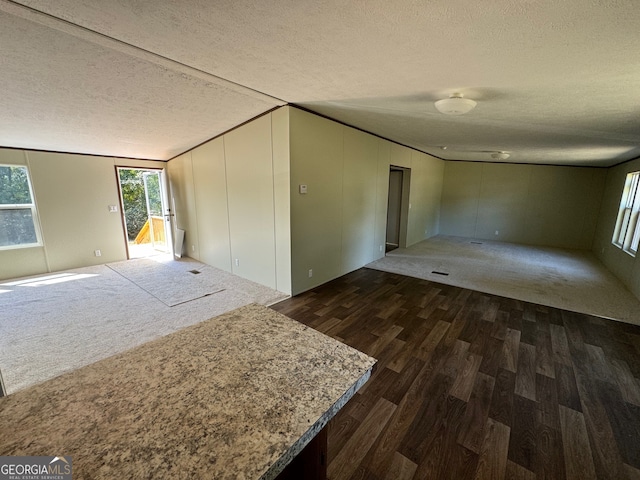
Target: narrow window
x=18, y=217
x=627, y=232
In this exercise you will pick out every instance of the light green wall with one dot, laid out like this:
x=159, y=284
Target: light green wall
x=231, y=197
x=182, y=199
x=339, y=224
x=211, y=207
x=425, y=196
x=72, y=194
x=623, y=265
x=359, y=182
x=530, y=204
x=250, y=195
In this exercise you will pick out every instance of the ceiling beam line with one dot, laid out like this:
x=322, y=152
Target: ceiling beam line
x=97, y=38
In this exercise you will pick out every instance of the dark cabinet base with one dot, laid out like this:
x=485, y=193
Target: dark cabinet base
x=311, y=463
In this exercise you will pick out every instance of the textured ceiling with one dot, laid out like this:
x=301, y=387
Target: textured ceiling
x=556, y=82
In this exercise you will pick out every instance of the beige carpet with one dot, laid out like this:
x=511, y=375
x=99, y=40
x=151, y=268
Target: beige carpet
x=569, y=279
x=170, y=282
x=55, y=323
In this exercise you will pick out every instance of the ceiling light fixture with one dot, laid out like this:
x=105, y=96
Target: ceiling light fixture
x=455, y=105
x=500, y=155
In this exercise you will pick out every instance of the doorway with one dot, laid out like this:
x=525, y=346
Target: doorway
x=144, y=213
x=397, y=208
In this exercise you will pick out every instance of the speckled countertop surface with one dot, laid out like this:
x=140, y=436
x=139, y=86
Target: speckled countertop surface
x=235, y=397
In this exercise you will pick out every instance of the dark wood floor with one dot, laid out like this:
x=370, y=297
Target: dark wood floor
x=475, y=386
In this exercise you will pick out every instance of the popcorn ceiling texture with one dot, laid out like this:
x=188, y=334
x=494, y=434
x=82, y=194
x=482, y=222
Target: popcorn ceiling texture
x=555, y=81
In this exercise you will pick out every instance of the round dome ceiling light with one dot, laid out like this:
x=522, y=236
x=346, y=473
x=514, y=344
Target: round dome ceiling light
x=455, y=105
x=500, y=155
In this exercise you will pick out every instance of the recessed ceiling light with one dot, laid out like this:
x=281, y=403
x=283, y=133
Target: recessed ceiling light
x=455, y=105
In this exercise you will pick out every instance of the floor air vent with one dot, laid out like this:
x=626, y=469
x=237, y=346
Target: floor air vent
x=195, y=272
x=439, y=273
x=476, y=243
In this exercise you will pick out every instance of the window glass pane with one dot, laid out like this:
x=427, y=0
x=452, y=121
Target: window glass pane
x=14, y=186
x=16, y=227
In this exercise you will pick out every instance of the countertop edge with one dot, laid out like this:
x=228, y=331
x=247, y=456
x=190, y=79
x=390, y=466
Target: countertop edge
x=278, y=466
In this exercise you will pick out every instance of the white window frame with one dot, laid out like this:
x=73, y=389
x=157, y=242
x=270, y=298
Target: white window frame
x=24, y=206
x=626, y=234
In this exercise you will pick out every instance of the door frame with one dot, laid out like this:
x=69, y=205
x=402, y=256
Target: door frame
x=167, y=214
x=405, y=206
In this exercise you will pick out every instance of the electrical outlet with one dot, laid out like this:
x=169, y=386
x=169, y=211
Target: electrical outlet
x=497, y=232
x=237, y=262
x=97, y=253
x=381, y=248
x=310, y=272
x=193, y=248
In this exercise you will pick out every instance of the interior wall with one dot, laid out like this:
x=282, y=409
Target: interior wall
x=211, y=207
x=72, y=195
x=182, y=198
x=425, y=195
x=623, y=265
x=339, y=225
x=529, y=204
x=231, y=197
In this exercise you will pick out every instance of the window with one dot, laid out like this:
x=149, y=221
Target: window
x=627, y=232
x=17, y=209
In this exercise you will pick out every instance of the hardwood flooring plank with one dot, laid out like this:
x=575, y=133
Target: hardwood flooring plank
x=405, y=416
x=455, y=358
x=340, y=429
x=544, y=351
x=607, y=460
x=526, y=372
x=550, y=463
x=492, y=462
x=518, y=472
x=501, y=409
x=381, y=343
x=529, y=332
x=575, y=444
x=394, y=356
x=540, y=392
x=429, y=418
x=476, y=414
x=629, y=385
x=401, y=468
x=379, y=382
x=432, y=340
x=499, y=329
x=465, y=380
x=522, y=443
x=547, y=402
x=348, y=459
x=510, y=350
x=402, y=383
x=491, y=357
x=572, y=329
x=560, y=345
x=598, y=364
x=624, y=419
x=442, y=457
x=567, y=388
x=632, y=473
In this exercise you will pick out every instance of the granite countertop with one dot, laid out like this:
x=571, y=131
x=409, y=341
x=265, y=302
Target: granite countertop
x=235, y=397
